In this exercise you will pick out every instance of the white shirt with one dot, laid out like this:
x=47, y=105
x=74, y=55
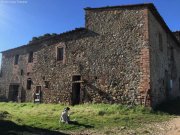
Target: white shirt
x=64, y=116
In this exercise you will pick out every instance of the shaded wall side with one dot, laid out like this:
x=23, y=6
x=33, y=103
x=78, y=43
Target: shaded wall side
x=7, y=71
x=3, y=84
x=175, y=69
x=16, y=74
x=162, y=67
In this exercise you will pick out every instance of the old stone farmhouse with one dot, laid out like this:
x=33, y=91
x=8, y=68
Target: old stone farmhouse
x=124, y=54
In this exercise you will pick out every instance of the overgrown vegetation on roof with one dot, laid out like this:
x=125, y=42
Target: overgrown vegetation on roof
x=45, y=36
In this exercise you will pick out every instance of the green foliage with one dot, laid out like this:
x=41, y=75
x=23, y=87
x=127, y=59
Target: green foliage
x=34, y=39
x=97, y=116
x=46, y=35
x=3, y=114
x=53, y=34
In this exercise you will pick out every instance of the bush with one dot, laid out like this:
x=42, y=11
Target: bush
x=4, y=114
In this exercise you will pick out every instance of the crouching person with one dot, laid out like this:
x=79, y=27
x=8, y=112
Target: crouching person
x=65, y=116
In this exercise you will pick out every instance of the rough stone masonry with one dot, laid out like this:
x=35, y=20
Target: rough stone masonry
x=125, y=54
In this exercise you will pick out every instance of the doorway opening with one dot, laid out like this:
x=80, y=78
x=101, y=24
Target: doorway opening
x=76, y=86
x=23, y=95
x=167, y=84
x=13, y=92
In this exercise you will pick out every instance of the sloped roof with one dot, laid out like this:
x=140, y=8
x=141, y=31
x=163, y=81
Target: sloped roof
x=49, y=40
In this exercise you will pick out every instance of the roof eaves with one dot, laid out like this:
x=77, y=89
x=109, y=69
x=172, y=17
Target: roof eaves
x=121, y=6
x=154, y=11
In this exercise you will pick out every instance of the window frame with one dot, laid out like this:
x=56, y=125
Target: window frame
x=60, y=46
x=16, y=59
x=29, y=86
x=60, y=53
x=46, y=84
x=22, y=72
x=30, y=57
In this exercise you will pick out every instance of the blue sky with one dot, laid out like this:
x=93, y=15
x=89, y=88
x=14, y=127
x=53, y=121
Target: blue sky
x=20, y=20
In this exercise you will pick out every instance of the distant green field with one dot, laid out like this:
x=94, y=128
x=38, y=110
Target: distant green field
x=94, y=116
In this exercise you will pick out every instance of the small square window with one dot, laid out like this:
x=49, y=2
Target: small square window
x=46, y=84
x=60, y=54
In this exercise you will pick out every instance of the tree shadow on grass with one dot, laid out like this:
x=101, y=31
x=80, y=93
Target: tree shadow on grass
x=11, y=128
x=171, y=107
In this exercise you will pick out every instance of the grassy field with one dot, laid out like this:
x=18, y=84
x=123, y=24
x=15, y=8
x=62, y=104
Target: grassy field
x=89, y=116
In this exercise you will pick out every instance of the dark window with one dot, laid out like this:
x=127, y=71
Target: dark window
x=30, y=58
x=13, y=93
x=60, y=53
x=172, y=54
x=46, y=84
x=29, y=83
x=22, y=72
x=38, y=89
x=160, y=42
x=76, y=88
x=16, y=60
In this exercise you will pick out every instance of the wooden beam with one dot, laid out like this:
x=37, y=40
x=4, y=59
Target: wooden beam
x=81, y=81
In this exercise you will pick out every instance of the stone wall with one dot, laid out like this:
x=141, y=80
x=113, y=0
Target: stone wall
x=111, y=57
x=163, y=61
x=108, y=63
x=128, y=30
x=124, y=55
x=118, y=57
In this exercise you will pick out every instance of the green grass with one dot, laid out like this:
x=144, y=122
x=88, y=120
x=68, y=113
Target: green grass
x=99, y=116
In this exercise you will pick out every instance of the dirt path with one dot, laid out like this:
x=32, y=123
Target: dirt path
x=171, y=127
x=175, y=127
